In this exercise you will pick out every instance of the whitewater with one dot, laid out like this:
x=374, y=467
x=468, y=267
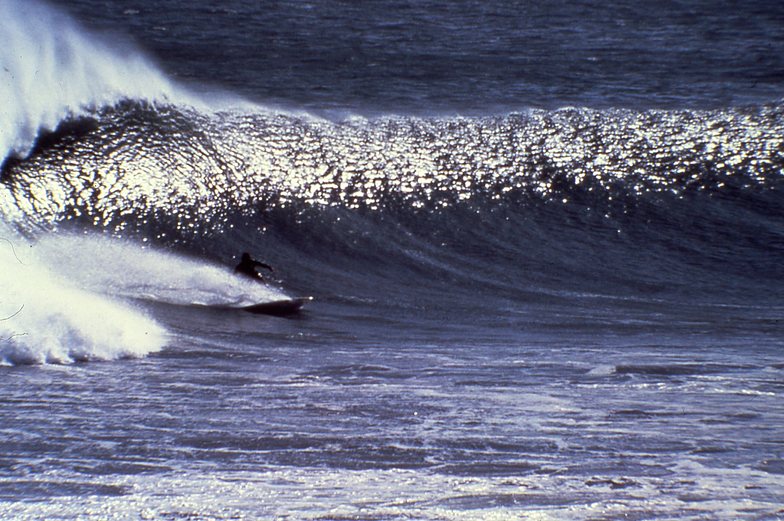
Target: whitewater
x=544, y=247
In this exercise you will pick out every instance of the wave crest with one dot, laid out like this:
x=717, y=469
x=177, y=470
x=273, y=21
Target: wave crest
x=54, y=69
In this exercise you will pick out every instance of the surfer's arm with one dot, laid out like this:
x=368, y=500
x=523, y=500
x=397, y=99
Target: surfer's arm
x=262, y=265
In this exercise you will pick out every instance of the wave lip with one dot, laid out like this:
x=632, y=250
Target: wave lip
x=52, y=69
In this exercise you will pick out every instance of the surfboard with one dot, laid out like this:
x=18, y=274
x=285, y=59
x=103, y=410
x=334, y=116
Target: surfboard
x=278, y=308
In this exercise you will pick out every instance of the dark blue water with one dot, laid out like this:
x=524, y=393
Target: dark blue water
x=544, y=242
x=466, y=57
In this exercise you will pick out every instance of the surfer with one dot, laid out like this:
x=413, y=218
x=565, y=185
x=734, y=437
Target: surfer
x=247, y=267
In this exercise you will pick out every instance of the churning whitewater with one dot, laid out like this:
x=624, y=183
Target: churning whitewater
x=545, y=246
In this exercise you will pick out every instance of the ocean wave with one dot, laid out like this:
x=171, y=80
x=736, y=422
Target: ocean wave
x=96, y=131
x=146, y=160
x=637, y=199
x=618, y=196
x=53, y=70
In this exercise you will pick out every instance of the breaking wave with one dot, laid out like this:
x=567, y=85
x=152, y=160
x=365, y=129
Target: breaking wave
x=544, y=202
x=45, y=318
x=53, y=70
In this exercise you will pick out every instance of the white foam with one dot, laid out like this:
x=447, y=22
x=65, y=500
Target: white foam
x=52, y=68
x=45, y=318
x=602, y=370
x=135, y=271
x=323, y=493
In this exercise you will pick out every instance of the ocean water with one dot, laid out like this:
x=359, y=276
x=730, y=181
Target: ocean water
x=545, y=242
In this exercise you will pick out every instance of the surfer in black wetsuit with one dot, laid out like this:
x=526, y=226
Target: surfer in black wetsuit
x=247, y=267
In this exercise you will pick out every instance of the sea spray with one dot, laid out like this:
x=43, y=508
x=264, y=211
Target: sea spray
x=52, y=69
x=46, y=319
x=131, y=270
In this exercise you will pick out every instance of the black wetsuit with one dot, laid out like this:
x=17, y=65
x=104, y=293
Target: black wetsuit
x=247, y=267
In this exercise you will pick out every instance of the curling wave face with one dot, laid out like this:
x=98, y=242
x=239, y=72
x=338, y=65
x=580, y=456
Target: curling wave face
x=579, y=198
x=573, y=198
x=53, y=69
x=146, y=161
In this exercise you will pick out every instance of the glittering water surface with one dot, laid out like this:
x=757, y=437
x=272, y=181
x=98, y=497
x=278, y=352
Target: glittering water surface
x=153, y=160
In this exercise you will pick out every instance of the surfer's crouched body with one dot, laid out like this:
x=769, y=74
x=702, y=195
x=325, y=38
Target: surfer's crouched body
x=247, y=267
